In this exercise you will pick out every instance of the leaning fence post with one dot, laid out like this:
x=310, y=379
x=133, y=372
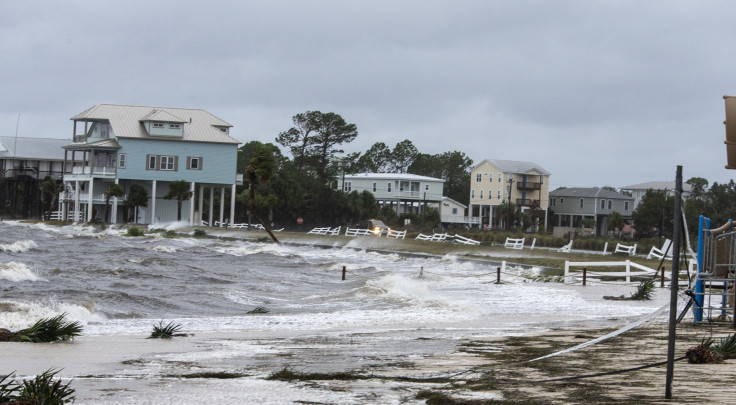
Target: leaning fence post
x=343, y=273
x=585, y=275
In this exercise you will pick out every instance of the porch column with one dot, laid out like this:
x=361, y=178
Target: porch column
x=90, y=205
x=212, y=206
x=232, y=205
x=222, y=205
x=201, y=202
x=115, y=206
x=153, y=203
x=76, y=201
x=192, y=190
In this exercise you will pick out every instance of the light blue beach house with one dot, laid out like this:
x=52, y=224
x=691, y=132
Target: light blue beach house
x=150, y=147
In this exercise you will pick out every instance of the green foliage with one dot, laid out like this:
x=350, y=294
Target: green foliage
x=654, y=213
x=726, y=347
x=389, y=217
x=258, y=310
x=199, y=233
x=43, y=389
x=54, y=329
x=133, y=231
x=452, y=167
x=616, y=221
x=314, y=140
x=167, y=331
x=170, y=234
x=644, y=291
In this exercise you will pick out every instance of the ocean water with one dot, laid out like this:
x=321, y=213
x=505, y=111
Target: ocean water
x=391, y=308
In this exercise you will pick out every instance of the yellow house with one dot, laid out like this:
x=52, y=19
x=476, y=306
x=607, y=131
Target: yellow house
x=494, y=181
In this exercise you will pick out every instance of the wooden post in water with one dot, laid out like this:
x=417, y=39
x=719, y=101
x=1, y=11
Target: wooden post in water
x=585, y=275
x=661, y=278
x=343, y=273
x=498, y=275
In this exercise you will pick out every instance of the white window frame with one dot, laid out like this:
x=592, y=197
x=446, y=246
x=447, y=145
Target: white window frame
x=609, y=204
x=374, y=187
x=158, y=125
x=389, y=186
x=167, y=163
x=626, y=205
x=347, y=187
x=481, y=194
x=191, y=160
x=472, y=193
x=122, y=160
x=174, y=126
x=478, y=178
x=151, y=164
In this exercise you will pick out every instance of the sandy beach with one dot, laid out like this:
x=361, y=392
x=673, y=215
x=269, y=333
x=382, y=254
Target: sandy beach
x=383, y=366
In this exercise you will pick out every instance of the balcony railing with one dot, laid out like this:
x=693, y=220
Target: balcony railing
x=96, y=197
x=526, y=202
x=528, y=186
x=407, y=194
x=94, y=170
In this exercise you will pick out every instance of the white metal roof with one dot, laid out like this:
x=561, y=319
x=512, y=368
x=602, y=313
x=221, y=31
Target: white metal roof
x=32, y=148
x=391, y=176
x=657, y=185
x=126, y=121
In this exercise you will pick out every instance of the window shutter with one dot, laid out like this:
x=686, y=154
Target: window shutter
x=176, y=163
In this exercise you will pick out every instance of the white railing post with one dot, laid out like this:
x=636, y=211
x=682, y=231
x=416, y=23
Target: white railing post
x=605, y=248
x=628, y=270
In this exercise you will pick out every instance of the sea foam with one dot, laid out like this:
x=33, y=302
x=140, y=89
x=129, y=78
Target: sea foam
x=22, y=314
x=14, y=271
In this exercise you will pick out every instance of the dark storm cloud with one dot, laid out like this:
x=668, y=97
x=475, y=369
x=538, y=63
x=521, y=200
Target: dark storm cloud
x=599, y=93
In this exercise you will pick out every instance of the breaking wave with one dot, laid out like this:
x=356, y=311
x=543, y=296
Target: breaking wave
x=19, y=246
x=14, y=271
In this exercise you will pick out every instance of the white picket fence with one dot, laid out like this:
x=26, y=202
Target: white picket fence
x=325, y=231
x=575, y=276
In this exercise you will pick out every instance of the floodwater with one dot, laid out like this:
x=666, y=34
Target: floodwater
x=254, y=308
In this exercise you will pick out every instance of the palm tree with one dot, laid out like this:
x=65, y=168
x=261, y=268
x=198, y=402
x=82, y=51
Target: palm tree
x=180, y=190
x=137, y=197
x=507, y=213
x=116, y=190
x=52, y=188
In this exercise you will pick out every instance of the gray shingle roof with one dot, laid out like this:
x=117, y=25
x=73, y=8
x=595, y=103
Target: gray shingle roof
x=32, y=148
x=198, y=125
x=588, y=192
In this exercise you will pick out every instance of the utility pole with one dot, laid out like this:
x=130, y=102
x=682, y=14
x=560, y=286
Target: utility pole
x=511, y=183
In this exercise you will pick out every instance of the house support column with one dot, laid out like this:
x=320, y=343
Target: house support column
x=76, y=202
x=90, y=204
x=192, y=190
x=222, y=205
x=115, y=206
x=210, y=217
x=153, y=203
x=232, y=205
x=201, y=203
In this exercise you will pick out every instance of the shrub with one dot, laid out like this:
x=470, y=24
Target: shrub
x=133, y=231
x=165, y=332
x=199, y=233
x=42, y=389
x=45, y=330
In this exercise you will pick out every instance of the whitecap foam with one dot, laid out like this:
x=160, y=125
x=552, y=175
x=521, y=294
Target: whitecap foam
x=164, y=249
x=19, y=246
x=22, y=314
x=14, y=271
x=405, y=288
x=169, y=226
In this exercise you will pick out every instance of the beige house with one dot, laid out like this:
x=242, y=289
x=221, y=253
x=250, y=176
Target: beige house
x=494, y=181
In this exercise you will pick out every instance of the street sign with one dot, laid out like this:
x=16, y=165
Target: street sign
x=299, y=220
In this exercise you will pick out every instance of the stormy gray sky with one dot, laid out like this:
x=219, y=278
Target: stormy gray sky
x=597, y=92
